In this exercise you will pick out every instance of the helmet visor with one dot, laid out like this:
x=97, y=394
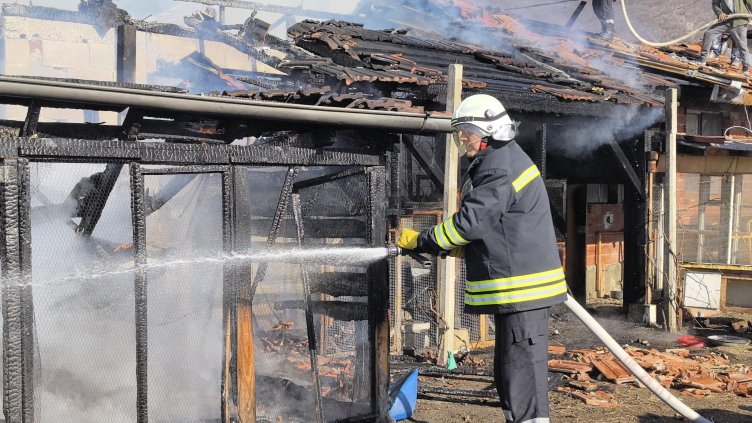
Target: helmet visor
x=463, y=131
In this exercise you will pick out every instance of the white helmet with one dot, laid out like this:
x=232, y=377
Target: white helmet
x=488, y=114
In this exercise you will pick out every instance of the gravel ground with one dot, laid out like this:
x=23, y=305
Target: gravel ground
x=635, y=404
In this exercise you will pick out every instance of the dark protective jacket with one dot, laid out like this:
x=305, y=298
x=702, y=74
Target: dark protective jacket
x=733, y=6
x=504, y=223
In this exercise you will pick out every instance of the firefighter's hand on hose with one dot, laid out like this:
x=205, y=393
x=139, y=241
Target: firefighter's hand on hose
x=408, y=239
x=458, y=252
x=722, y=17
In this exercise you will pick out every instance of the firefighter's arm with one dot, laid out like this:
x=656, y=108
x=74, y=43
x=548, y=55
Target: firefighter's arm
x=480, y=210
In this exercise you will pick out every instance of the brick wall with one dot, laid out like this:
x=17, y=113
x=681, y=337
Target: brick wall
x=152, y=48
x=608, y=221
x=36, y=47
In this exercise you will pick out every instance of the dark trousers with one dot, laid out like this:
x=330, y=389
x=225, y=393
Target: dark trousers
x=738, y=35
x=521, y=365
x=604, y=9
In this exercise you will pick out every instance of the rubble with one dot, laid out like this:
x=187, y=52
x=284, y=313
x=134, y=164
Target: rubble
x=691, y=372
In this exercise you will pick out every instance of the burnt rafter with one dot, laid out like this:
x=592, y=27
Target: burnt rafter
x=32, y=120
x=91, y=206
x=432, y=170
x=627, y=168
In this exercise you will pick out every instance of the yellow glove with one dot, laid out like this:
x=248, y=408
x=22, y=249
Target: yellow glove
x=408, y=239
x=458, y=252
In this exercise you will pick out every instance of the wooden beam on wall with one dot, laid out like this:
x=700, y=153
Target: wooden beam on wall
x=670, y=292
x=447, y=275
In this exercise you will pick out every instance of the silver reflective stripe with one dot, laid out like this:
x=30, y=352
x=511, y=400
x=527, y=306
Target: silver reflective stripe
x=535, y=279
x=516, y=296
x=438, y=233
x=537, y=420
x=508, y=415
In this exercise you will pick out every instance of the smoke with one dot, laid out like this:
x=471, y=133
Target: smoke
x=580, y=138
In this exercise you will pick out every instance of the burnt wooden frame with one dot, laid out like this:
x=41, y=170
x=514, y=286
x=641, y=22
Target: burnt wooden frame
x=15, y=249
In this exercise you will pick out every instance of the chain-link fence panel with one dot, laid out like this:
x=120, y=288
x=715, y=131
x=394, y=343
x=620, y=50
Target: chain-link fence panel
x=333, y=212
x=82, y=292
x=184, y=296
x=714, y=219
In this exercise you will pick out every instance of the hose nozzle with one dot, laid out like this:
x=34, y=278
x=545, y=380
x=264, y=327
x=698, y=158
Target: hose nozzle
x=394, y=251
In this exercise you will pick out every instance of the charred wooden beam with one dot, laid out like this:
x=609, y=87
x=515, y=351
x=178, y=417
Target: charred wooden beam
x=575, y=14
x=316, y=227
x=432, y=170
x=306, y=183
x=17, y=305
x=339, y=284
x=93, y=204
x=425, y=390
x=32, y=120
x=140, y=292
x=338, y=310
x=627, y=168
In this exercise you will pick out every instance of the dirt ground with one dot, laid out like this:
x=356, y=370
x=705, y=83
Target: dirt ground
x=636, y=404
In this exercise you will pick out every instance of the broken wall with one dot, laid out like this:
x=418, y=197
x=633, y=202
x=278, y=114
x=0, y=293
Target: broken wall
x=57, y=49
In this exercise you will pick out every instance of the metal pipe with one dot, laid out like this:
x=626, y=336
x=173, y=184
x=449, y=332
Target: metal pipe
x=632, y=365
x=70, y=92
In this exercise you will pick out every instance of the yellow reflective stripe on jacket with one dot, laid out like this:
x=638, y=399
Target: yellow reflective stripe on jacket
x=528, y=175
x=519, y=296
x=515, y=282
x=454, y=236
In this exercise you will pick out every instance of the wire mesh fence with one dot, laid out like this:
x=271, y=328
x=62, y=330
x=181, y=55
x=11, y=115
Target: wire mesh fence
x=714, y=219
x=83, y=303
x=86, y=339
x=414, y=299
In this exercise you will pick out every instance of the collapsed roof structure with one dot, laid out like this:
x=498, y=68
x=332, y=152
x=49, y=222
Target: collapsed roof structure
x=364, y=103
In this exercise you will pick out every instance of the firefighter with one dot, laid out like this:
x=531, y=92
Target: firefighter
x=604, y=10
x=735, y=28
x=513, y=268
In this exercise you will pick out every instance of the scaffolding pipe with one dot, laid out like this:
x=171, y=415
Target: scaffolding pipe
x=119, y=98
x=632, y=365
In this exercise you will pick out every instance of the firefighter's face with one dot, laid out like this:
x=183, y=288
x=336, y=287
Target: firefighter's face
x=468, y=138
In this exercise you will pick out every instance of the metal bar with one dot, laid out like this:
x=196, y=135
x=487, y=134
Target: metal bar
x=434, y=173
x=95, y=202
x=378, y=294
x=626, y=166
x=140, y=291
x=90, y=95
x=575, y=14
x=297, y=211
x=10, y=254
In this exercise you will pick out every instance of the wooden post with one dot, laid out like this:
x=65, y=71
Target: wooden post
x=727, y=218
x=704, y=193
x=245, y=376
x=670, y=292
x=447, y=268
